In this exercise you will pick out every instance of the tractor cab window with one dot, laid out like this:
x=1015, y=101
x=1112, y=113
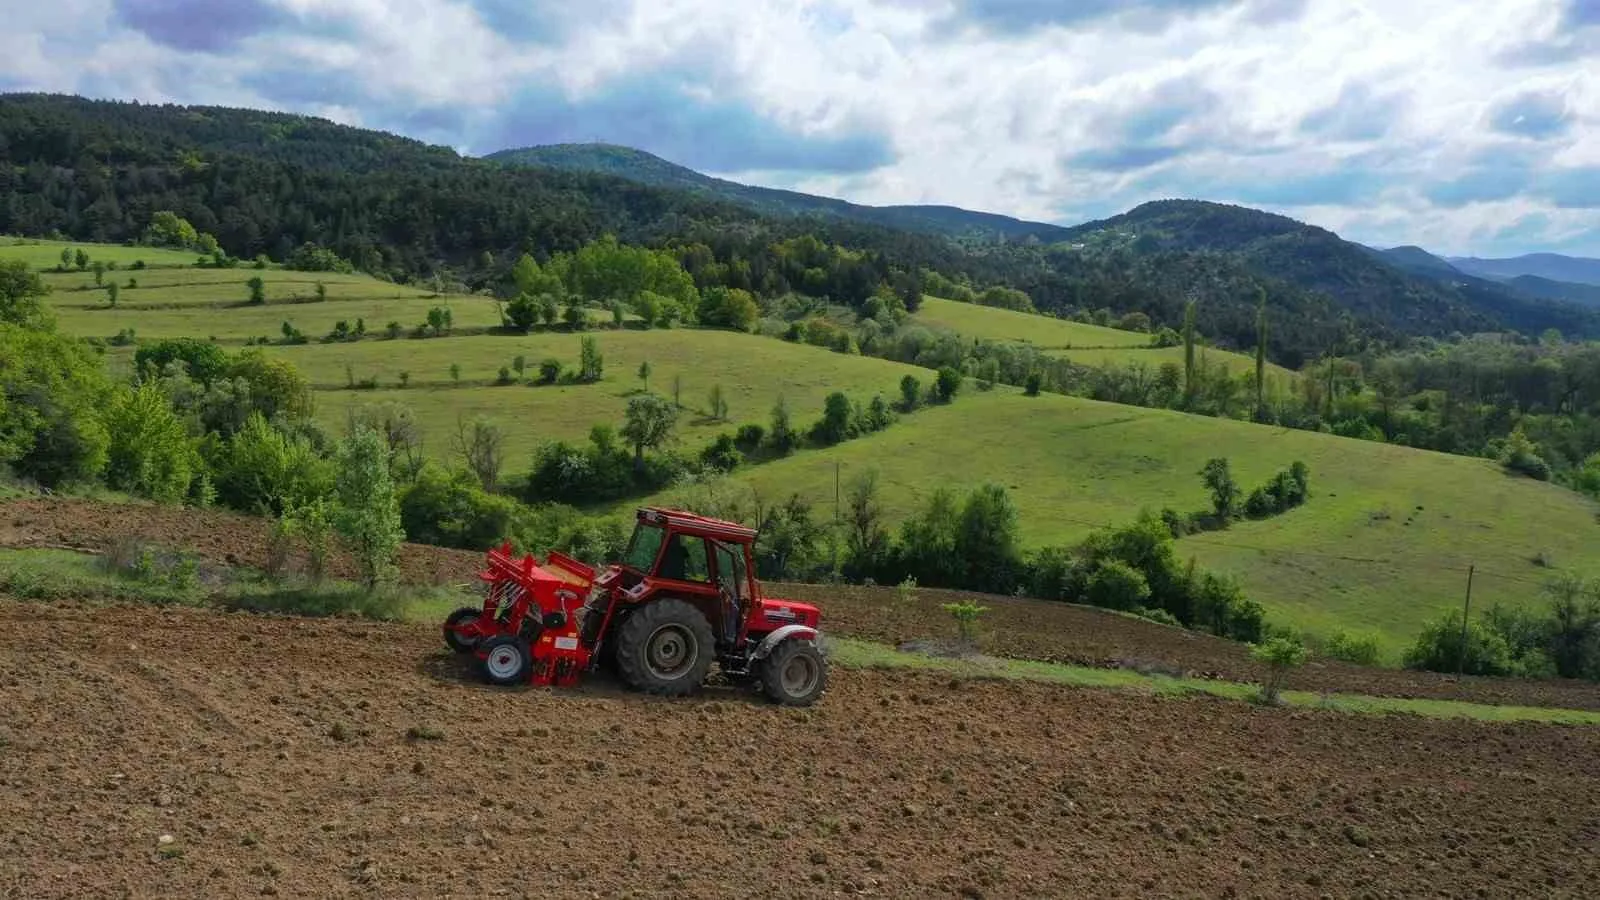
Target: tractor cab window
x=643, y=548
x=730, y=570
x=685, y=559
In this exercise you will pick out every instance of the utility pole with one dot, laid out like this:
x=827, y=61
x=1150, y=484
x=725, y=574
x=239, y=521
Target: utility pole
x=1466, y=610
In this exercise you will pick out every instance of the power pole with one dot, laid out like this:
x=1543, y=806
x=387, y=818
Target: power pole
x=1466, y=610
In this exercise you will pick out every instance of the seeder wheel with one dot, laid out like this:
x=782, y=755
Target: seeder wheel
x=454, y=639
x=507, y=660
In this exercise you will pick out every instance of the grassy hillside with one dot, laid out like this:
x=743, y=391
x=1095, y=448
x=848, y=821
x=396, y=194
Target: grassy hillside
x=1383, y=545
x=44, y=254
x=991, y=324
x=752, y=371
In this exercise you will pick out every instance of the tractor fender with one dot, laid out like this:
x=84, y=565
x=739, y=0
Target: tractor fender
x=771, y=641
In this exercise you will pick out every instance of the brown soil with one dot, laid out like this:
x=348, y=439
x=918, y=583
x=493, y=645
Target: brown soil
x=275, y=754
x=1028, y=629
x=1083, y=635
x=217, y=536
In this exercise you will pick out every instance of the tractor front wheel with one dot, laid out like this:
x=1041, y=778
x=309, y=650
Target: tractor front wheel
x=665, y=647
x=795, y=673
x=457, y=641
x=507, y=660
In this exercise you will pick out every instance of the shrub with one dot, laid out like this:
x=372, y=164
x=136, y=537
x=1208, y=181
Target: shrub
x=263, y=470
x=1159, y=616
x=549, y=371
x=722, y=454
x=504, y=376
x=453, y=510
x=1280, y=655
x=150, y=453
x=1440, y=648
x=966, y=614
x=947, y=383
x=749, y=437
x=910, y=393
x=1116, y=585
x=1361, y=650
x=1521, y=455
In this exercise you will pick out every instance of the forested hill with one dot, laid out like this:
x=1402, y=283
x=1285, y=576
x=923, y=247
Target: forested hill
x=1371, y=288
x=268, y=183
x=647, y=168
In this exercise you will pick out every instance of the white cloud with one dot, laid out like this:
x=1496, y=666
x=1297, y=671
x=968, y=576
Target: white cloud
x=1355, y=114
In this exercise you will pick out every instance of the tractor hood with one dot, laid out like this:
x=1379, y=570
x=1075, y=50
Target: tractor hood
x=774, y=612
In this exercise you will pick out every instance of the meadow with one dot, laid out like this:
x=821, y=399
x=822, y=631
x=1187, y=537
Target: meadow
x=752, y=372
x=1383, y=545
x=989, y=323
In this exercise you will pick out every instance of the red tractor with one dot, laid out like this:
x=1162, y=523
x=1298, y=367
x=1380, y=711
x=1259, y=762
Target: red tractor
x=683, y=596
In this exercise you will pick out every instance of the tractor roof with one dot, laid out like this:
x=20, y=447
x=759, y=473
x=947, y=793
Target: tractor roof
x=681, y=520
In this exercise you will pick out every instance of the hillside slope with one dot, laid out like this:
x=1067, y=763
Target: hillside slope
x=646, y=168
x=1383, y=545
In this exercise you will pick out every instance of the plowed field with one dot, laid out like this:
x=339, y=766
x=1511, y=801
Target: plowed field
x=1054, y=632
x=274, y=753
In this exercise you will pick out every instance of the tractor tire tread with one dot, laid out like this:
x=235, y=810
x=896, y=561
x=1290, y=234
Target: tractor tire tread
x=771, y=684
x=636, y=630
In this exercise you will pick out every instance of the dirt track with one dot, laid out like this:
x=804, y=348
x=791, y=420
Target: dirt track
x=224, y=731
x=1054, y=632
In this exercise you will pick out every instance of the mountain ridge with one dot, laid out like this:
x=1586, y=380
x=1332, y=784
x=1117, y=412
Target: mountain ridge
x=1548, y=266
x=648, y=168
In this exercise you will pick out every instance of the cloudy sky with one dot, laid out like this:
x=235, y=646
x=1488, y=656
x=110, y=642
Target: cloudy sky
x=1467, y=126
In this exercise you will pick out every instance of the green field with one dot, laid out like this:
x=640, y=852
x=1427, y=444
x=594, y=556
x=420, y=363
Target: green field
x=1089, y=345
x=44, y=255
x=752, y=371
x=1383, y=545
x=243, y=323
x=988, y=323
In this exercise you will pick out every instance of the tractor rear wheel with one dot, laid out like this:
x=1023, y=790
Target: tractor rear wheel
x=665, y=647
x=507, y=660
x=794, y=673
x=458, y=642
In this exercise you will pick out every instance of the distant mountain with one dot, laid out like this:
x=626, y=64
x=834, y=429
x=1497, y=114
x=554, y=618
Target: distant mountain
x=1552, y=266
x=1381, y=288
x=649, y=169
x=1418, y=261
x=1534, y=286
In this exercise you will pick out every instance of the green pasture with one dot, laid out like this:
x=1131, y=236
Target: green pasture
x=1383, y=545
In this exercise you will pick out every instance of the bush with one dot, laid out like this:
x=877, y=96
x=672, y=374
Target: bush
x=1033, y=384
x=1521, y=455
x=263, y=470
x=52, y=394
x=1362, y=650
x=947, y=384
x=722, y=454
x=1439, y=648
x=1280, y=655
x=749, y=438
x=451, y=509
x=549, y=371
x=150, y=454
x=203, y=361
x=966, y=614
x=1159, y=616
x=1116, y=585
